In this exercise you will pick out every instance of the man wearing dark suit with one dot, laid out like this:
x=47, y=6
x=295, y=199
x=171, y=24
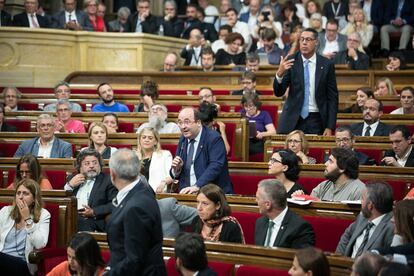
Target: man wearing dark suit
x=248, y=81
x=312, y=103
x=192, y=21
x=5, y=17
x=373, y=227
x=208, y=59
x=331, y=41
x=251, y=14
x=47, y=145
x=201, y=155
x=355, y=59
x=142, y=21
x=402, y=153
x=30, y=18
x=279, y=227
x=71, y=19
x=173, y=26
x=190, y=255
x=134, y=229
x=207, y=29
x=3, y=125
x=371, y=115
x=93, y=189
x=191, y=53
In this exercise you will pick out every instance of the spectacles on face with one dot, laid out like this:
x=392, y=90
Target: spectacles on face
x=63, y=110
x=307, y=39
x=293, y=141
x=274, y=160
x=46, y=126
x=185, y=123
x=353, y=40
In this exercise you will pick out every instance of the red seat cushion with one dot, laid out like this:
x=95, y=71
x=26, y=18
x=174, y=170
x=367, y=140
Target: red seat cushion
x=375, y=154
x=8, y=150
x=173, y=107
x=327, y=237
x=318, y=154
x=222, y=269
x=247, y=221
x=171, y=147
x=309, y=183
x=22, y=126
x=246, y=184
x=126, y=127
x=249, y=270
x=57, y=179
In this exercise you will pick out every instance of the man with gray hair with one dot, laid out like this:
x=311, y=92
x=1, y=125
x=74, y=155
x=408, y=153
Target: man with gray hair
x=157, y=119
x=119, y=24
x=134, y=229
x=373, y=227
x=278, y=226
x=11, y=96
x=353, y=55
x=64, y=122
x=46, y=145
x=62, y=92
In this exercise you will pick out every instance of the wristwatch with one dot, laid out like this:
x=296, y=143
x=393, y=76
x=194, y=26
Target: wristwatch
x=28, y=221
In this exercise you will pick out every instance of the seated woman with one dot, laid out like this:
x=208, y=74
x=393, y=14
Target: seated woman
x=155, y=162
x=233, y=53
x=296, y=142
x=310, y=261
x=264, y=124
x=312, y=7
x=404, y=223
x=316, y=22
x=293, y=46
x=267, y=20
x=396, y=62
x=84, y=258
x=91, y=8
x=284, y=165
x=28, y=167
x=24, y=226
x=362, y=95
x=214, y=222
x=110, y=120
x=209, y=113
x=360, y=25
x=406, y=100
x=289, y=17
x=149, y=94
x=98, y=139
x=384, y=87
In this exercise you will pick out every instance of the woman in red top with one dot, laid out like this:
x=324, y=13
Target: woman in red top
x=91, y=8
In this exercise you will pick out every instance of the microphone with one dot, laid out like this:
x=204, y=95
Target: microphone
x=175, y=181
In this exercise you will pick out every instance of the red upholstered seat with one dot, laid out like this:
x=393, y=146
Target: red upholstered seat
x=51, y=258
x=375, y=154
x=22, y=126
x=328, y=231
x=222, y=269
x=250, y=270
x=57, y=179
x=8, y=150
x=126, y=127
x=171, y=147
x=246, y=184
x=247, y=221
x=225, y=108
x=389, y=108
x=174, y=107
x=318, y=154
x=29, y=106
x=309, y=183
x=399, y=188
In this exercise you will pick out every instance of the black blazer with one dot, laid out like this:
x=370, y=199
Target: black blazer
x=362, y=63
x=149, y=26
x=382, y=129
x=326, y=93
x=230, y=232
x=187, y=55
x=135, y=234
x=21, y=20
x=410, y=159
x=6, y=19
x=100, y=200
x=7, y=127
x=174, y=27
x=209, y=31
x=189, y=26
x=295, y=232
x=364, y=159
x=240, y=92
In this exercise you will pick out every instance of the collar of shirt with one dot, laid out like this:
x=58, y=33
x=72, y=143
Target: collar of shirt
x=278, y=220
x=377, y=221
x=312, y=59
x=373, y=128
x=405, y=157
x=50, y=143
x=124, y=192
x=197, y=138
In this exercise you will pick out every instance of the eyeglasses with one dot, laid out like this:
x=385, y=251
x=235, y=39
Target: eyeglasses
x=185, y=123
x=353, y=40
x=274, y=160
x=293, y=141
x=89, y=163
x=156, y=109
x=46, y=125
x=63, y=109
x=307, y=39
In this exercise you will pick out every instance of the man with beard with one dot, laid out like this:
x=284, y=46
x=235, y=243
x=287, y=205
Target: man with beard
x=157, y=119
x=341, y=170
x=93, y=190
x=371, y=113
x=372, y=228
x=108, y=104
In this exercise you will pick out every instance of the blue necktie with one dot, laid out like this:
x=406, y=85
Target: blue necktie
x=189, y=162
x=304, y=113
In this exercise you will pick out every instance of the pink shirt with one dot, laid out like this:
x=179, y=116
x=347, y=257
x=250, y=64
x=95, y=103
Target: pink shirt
x=74, y=126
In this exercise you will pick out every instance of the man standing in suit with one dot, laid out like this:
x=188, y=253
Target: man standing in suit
x=373, y=227
x=142, y=21
x=344, y=138
x=331, y=42
x=71, y=19
x=312, y=103
x=201, y=155
x=279, y=227
x=5, y=17
x=134, y=229
x=29, y=18
x=46, y=145
x=93, y=190
x=402, y=154
x=371, y=126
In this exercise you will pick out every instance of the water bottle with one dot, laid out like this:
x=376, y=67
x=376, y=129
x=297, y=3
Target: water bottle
x=161, y=30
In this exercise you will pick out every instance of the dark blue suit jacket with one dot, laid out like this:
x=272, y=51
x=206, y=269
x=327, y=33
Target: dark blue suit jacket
x=135, y=235
x=326, y=93
x=59, y=20
x=210, y=162
x=244, y=17
x=407, y=11
x=60, y=148
x=382, y=129
x=21, y=20
x=6, y=19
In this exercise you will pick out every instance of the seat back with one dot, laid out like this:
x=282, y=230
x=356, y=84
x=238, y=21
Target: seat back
x=249, y=270
x=171, y=147
x=247, y=221
x=21, y=126
x=8, y=150
x=57, y=179
x=126, y=127
x=246, y=184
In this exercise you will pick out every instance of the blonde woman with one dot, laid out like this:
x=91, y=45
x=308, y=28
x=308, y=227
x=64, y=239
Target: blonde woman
x=155, y=162
x=361, y=26
x=98, y=140
x=296, y=142
x=384, y=87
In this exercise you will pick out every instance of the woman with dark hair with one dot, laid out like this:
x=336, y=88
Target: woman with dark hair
x=284, y=165
x=289, y=18
x=233, y=53
x=362, y=95
x=28, y=167
x=24, y=226
x=149, y=94
x=396, y=62
x=98, y=139
x=310, y=261
x=404, y=222
x=110, y=120
x=214, y=222
x=208, y=114
x=312, y=7
x=84, y=258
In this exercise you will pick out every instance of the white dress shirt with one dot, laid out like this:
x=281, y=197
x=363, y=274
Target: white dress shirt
x=124, y=191
x=277, y=226
x=29, y=17
x=403, y=160
x=373, y=128
x=71, y=15
x=45, y=150
x=84, y=192
x=331, y=46
x=360, y=239
x=193, y=178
